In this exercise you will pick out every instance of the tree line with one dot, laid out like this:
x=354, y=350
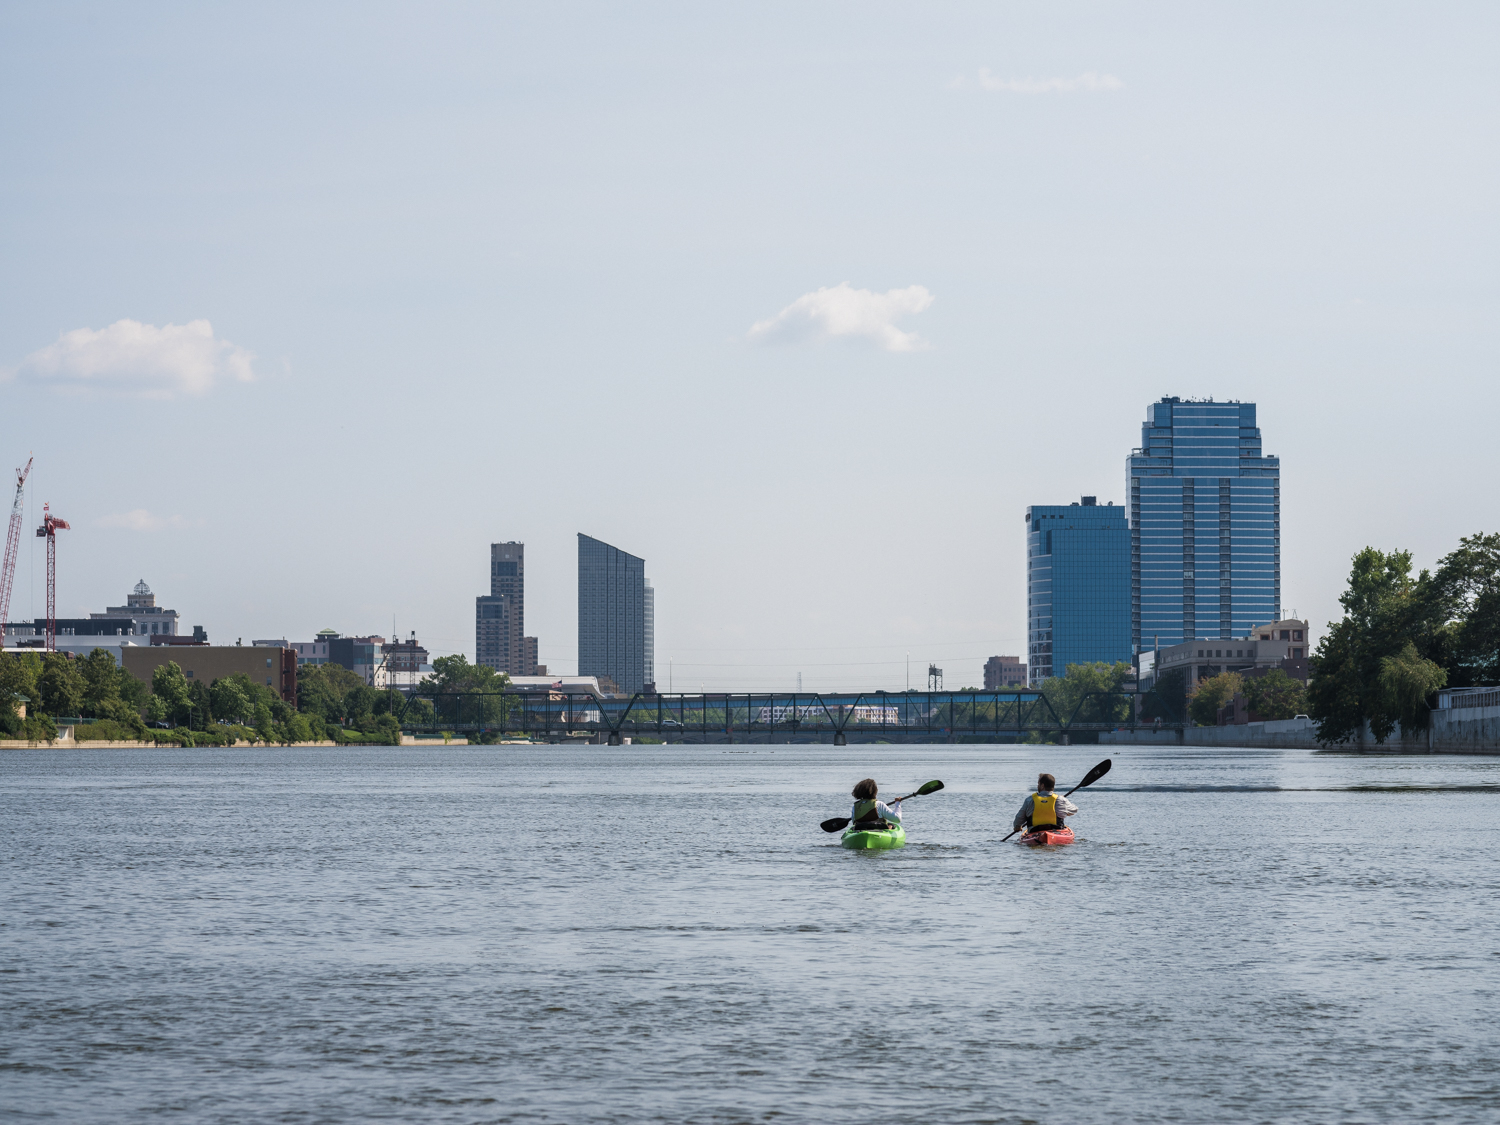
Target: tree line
x=332, y=704
x=1404, y=636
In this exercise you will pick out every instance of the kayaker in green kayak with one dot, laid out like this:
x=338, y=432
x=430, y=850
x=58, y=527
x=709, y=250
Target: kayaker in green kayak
x=869, y=812
x=1044, y=808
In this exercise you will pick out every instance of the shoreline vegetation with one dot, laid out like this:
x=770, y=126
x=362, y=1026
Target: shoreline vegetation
x=39, y=691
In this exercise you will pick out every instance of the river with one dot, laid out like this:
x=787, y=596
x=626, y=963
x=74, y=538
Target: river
x=662, y=934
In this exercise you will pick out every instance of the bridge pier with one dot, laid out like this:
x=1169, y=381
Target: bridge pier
x=839, y=739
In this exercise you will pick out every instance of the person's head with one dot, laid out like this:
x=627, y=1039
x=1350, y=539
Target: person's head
x=866, y=790
x=1044, y=782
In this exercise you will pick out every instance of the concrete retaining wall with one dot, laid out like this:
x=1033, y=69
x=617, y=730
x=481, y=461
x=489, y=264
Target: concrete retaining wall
x=1471, y=730
x=1466, y=730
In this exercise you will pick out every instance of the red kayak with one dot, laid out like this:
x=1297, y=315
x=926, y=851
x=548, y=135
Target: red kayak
x=1047, y=837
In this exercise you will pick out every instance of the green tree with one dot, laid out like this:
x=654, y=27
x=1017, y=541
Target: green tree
x=296, y=728
x=323, y=689
x=169, y=691
x=1385, y=610
x=61, y=684
x=1468, y=583
x=1276, y=695
x=452, y=686
x=1167, y=699
x=200, y=707
x=18, y=688
x=133, y=692
x=101, y=684
x=229, y=698
x=265, y=728
x=1406, y=680
x=1211, y=694
x=1089, y=693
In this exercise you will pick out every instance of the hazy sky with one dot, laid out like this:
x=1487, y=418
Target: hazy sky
x=303, y=305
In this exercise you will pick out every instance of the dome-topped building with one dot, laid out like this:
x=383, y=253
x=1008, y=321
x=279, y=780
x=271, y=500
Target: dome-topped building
x=147, y=618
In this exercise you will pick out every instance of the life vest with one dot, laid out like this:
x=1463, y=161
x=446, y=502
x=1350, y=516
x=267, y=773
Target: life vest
x=1044, y=811
x=864, y=812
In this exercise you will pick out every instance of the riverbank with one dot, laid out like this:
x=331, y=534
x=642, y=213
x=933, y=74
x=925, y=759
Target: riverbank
x=1472, y=730
x=124, y=744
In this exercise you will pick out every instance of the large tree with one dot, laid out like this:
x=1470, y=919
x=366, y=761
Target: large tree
x=1090, y=693
x=170, y=699
x=1388, y=616
x=1211, y=693
x=1167, y=699
x=1275, y=695
x=230, y=699
x=467, y=693
x=1468, y=585
x=61, y=684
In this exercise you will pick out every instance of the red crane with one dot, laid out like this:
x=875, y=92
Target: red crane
x=48, y=530
x=13, y=542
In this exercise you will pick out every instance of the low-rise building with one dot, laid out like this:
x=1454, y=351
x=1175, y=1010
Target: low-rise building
x=405, y=663
x=1279, y=644
x=276, y=668
x=1003, y=672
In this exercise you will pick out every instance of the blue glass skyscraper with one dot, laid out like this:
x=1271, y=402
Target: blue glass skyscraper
x=1077, y=587
x=1205, y=524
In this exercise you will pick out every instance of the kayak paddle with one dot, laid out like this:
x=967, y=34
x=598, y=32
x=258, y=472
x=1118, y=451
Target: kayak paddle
x=840, y=822
x=1088, y=779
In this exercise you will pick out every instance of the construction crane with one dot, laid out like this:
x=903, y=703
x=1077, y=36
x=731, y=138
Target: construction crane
x=13, y=541
x=48, y=531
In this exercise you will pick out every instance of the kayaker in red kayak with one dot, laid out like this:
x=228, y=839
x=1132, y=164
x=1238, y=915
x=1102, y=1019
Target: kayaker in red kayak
x=868, y=812
x=1044, y=808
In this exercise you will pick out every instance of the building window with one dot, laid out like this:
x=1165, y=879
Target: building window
x=268, y=664
x=1296, y=634
x=189, y=673
x=1286, y=634
x=1296, y=654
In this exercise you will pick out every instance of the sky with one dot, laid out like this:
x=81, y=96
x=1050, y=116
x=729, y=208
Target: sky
x=304, y=305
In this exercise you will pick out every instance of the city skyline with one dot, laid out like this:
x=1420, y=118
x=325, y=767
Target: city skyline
x=944, y=293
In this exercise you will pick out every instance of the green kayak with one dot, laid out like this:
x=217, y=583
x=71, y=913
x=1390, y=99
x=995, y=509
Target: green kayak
x=867, y=839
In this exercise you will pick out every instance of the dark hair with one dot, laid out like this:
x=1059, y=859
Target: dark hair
x=866, y=789
x=1045, y=781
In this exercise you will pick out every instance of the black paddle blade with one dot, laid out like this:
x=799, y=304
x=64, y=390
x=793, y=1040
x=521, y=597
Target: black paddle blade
x=837, y=824
x=1093, y=775
x=930, y=787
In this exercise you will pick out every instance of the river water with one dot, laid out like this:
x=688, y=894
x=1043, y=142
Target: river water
x=592, y=934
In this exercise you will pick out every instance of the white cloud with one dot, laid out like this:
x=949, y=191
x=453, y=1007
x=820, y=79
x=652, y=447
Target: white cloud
x=844, y=311
x=133, y=358
x=138, y=519
x=1088, y=83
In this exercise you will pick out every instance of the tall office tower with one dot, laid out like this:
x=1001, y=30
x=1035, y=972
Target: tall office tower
x=1077, y=587
x=650, y=634
x=1205, y=524
x=500, y=619
x=611, y=614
